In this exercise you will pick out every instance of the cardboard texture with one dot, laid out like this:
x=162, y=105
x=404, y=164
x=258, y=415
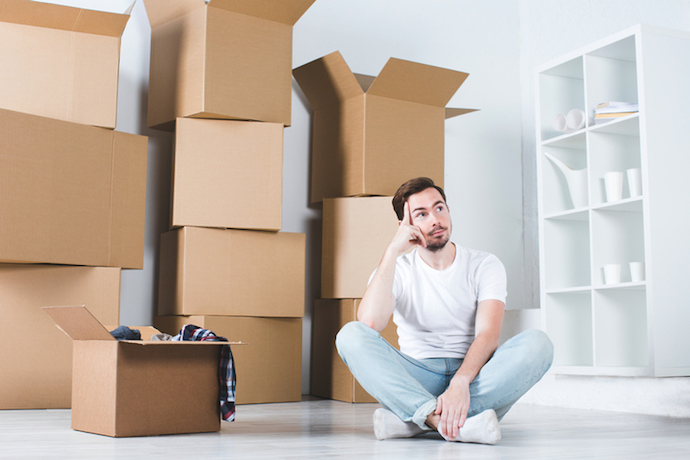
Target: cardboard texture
x=269, y=368
x=356, y=232
x=139, y=388
x=228, y=174
x=223, y=59
x=36, y=357
x=71, y=194
x=330, y=377
x=206, y=271
x=372, y=134
x=60, y=62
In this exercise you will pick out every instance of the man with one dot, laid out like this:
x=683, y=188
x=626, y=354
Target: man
x=448, y=301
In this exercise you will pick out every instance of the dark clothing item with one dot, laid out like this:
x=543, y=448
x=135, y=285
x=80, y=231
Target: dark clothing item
x=125, y=333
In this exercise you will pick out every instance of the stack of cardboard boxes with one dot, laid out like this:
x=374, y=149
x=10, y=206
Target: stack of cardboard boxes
x=221, y=79
x=72, y=189
x=370, y=135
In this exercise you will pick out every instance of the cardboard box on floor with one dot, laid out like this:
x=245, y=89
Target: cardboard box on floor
x=208, y=271
x=71, y=194
x=36, y=357
x=356, y=232
x=269, y=369
x=60, y=62
x=372, y=134
x=227, y=174
x=221, y=59
x=330, y=377
x=138, y=387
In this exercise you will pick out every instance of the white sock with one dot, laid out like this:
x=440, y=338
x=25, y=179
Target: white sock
x=482, y=428
x=387, y=425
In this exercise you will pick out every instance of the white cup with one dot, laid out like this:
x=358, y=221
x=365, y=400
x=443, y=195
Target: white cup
x=636, y=271
x=613, y=181
x=558, y=123
x=612, y=273
x=634, y=182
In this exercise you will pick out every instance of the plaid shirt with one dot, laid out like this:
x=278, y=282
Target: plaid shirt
x=226, y=369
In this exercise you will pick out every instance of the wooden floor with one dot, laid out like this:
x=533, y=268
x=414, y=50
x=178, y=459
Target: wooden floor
x=329, y=429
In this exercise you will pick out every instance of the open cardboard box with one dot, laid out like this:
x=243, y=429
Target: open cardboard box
x=139, y=387
x=221, y=59
x=60, y=62
x=371, y=134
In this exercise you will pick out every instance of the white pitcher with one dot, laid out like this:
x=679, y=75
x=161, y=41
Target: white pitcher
x=576, y=179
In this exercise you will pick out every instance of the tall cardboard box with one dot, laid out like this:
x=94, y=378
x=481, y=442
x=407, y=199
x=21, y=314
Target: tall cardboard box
x=269, y=368
x=71, y=194
x=139, y=387
x=208, y=271
x=356, y=232
x=330, y=377
x=227, y=174
x=372, y=134
x=221, y=59
x=60, y=62
x=36, y=358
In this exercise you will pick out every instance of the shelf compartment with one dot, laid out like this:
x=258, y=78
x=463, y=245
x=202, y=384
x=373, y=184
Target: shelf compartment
x=566, y=253
x=569, y=322
x=611, y=75
x=618, y=238
x=562, y=89
x=620, y=324
x=611, y=150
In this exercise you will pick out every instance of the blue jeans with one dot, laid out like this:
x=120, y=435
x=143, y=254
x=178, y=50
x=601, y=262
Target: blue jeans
x=409, y=387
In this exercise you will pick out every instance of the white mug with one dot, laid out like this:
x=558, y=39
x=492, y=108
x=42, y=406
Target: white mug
x=613, y=181
x=612, y=273
x=637, y=271
x=634, y=182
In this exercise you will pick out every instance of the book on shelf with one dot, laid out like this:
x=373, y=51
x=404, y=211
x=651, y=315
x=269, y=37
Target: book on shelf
x=616, y=107
x=613, y=115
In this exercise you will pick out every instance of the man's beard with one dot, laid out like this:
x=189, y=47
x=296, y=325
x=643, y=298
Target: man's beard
x=436, y=244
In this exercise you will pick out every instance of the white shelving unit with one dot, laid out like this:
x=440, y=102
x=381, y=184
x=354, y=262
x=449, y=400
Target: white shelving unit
x=629, y=328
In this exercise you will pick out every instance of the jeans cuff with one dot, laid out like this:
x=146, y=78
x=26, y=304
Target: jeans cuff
x=420, y=415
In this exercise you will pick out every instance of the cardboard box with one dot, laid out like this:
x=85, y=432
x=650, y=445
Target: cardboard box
x=269, y=368
x=228, y=174
x=208, y=271
x=70, y=194
x=36, y=358
x=330, y=377
x=138, y=387
x=221, y=59
x=356, y=233
x=372, y=134
x=60, y=62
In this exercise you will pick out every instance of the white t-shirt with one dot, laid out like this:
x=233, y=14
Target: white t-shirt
x=435, y=309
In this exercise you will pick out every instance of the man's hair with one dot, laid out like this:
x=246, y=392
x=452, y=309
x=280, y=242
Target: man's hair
x=412, y=186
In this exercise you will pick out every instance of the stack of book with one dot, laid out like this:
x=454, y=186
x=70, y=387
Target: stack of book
x=607, y=111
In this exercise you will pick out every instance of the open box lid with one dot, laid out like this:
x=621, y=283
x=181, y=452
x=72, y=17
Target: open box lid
x=48, y=15
x=329, y=80
x=285, y=11
x=77, y=322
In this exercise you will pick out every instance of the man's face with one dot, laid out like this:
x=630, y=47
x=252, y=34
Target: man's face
x=430, y=213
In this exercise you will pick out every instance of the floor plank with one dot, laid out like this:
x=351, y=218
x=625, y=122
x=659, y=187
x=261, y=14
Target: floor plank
x=317, y=428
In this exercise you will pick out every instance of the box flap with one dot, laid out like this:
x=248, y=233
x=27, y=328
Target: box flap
x=327, y=81
x=419, y=83
x=450, y=113
x=162, y=11
x=286, y=11
x=62, y=17
x=78, y=323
